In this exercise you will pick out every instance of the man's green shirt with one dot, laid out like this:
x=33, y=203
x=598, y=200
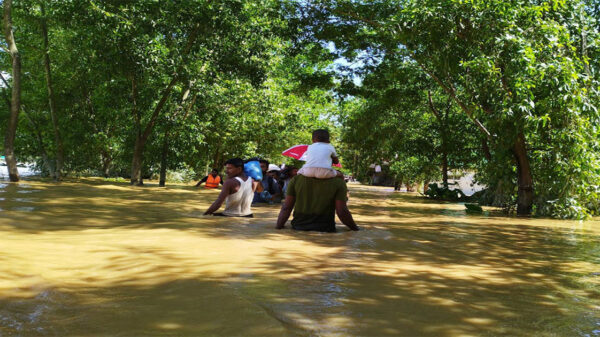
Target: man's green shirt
x=315, y=202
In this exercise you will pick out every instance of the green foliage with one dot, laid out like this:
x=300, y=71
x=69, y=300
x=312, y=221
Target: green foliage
x=249, y=93
x=443, y=84
x=518, y=70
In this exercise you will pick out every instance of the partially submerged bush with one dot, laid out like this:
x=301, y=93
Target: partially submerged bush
x=443, y=193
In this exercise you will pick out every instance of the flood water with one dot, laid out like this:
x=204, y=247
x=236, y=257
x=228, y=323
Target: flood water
x=95, y=258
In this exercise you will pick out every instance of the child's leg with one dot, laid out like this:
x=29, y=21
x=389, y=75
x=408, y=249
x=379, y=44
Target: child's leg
x=324, y=173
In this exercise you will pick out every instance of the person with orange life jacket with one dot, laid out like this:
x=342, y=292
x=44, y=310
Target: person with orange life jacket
x=212, y=180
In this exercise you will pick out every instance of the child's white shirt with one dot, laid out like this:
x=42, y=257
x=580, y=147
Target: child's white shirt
x=319, y=155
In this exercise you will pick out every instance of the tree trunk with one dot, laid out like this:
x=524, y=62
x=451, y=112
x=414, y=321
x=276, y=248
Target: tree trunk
x=215, y=163
x=106, y=162
x=51, y=101
x=167, y=134
x=445, y=167
x=15, y=103
x=140, y=143
x=397, y=184
x=524, y=177
x=136, y=163
x=486, y=149
x=442, y=120
x=36, y=130
x=164, y=157
x=40, y=140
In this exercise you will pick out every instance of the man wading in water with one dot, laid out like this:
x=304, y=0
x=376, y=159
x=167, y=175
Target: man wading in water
x=316, y=202
x=237, y=193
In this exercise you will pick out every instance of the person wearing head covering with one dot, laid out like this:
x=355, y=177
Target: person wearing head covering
x=268, y=190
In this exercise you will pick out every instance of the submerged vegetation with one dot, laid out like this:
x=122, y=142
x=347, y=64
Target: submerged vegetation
x=508, y=89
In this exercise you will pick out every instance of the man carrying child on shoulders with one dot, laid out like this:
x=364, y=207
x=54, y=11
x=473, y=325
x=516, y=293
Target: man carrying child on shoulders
x=315, y=194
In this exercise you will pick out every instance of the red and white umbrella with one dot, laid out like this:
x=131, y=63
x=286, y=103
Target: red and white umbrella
x=299, y=152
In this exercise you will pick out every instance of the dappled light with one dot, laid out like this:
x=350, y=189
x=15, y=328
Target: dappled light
x=98, y=258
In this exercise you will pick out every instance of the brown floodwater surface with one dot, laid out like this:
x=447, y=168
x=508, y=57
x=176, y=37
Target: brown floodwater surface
x=98, y=258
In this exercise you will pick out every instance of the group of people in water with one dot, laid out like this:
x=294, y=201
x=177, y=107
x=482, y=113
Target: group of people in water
x=316, y=192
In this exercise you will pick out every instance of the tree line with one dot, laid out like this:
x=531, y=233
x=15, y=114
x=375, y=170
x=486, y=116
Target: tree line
x=507, y=89
x=128, y=88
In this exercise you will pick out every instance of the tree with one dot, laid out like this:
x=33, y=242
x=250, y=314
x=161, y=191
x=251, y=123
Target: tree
x=15, y=103
x=516, y=69
x=51, y=101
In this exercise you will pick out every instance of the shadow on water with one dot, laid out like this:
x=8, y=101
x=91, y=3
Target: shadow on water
x=92, y=258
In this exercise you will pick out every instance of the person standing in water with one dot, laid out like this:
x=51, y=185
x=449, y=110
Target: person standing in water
x=212, y=180
x=237, y=192
x=315, y=203
x=319, y=157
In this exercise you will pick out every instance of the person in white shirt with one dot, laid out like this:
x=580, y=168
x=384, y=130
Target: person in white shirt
x=319, y=157
x=237, y=193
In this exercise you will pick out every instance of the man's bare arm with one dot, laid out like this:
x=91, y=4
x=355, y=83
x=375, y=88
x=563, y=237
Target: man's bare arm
x=341, y=208
x=225, y=191
x=286, y=210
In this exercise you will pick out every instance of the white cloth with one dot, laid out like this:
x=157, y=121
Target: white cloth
x=318, y=172
x=238, y=203
x=319, y=155
x=377, y=168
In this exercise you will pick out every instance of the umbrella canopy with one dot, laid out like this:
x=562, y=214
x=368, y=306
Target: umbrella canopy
x=299, y=152
x=296, y=152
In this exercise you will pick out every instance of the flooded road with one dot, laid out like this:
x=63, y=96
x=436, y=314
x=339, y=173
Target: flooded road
x=95, y=258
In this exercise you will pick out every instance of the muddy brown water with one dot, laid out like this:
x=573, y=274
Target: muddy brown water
x=95, y=258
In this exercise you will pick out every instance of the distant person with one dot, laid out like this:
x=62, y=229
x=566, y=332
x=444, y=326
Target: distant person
x=275, y=172
x=268, y=189
x=212, y=180
x=320, y=155
x=286, y=176
x=237, y=192
x=315, y=203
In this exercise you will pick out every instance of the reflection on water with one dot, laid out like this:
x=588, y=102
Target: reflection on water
x=27, y=191
x=94, y=258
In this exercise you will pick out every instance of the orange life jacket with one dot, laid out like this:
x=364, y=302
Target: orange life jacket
x=212, y=182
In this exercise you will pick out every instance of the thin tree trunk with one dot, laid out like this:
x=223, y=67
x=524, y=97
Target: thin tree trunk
x=163, y=159
x=136, y=164
x=106, y=158
x=215, y=162
x=51, y=101
x=140, y=143
x=35, y=128
x=486, y=149
x=444, y=137
x=354, y=168
x=524, y=177
x=106, y=162
x=40, y=141
x=444, y=167
x=15, y=103
x=167, y=134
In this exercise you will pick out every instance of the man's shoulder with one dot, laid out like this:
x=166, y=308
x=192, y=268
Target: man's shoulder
x=335, y=182
x=232, y=181
x=340, y=183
